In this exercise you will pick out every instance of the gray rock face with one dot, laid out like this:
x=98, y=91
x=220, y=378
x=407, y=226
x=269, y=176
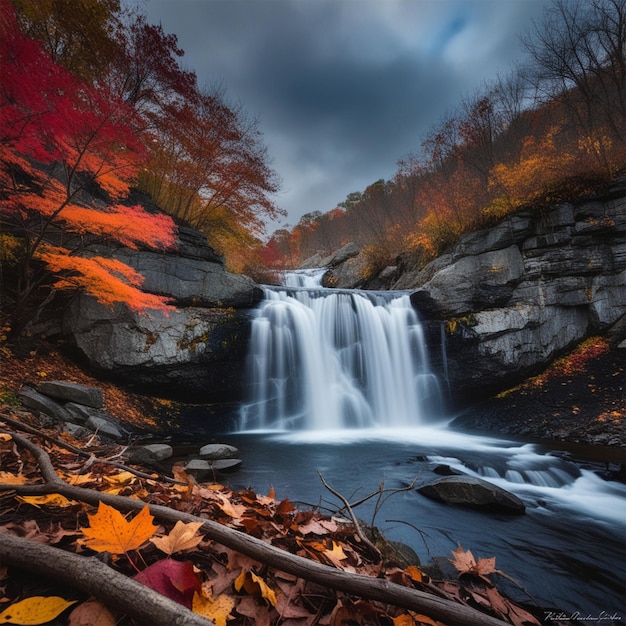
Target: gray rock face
x=214, y=451
x=197, y=352
x=191, y=281
x=516, y=296
x=473, y=492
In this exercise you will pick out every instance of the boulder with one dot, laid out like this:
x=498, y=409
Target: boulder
x=106, y=426
x=72, y=392
x=213, y=451
x=473, y=492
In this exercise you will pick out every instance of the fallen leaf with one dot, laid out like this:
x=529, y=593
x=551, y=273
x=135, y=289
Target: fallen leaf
x=336, y=554
x=465, y=563
x=218, y=610
x=12, y=479
x=414, y=573
x=181, y=537
x=92, y=613
x=52, y=499
x=35, y=610
x=255, y=585
x=109, y=531
x=173, y=579
x=121, y=478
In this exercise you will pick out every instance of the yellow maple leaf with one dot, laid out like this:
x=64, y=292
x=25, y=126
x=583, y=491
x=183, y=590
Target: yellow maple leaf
x=181, y=537
x=336, y=555
x=109, y=531
x=53, y=499
x=35, y=610
x=218, y=610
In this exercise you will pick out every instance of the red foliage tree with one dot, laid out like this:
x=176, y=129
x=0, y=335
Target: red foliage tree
x=59, y=138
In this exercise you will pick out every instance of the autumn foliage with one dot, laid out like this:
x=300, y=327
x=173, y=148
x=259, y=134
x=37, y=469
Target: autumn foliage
x=551, y=130
x=62, y=139
x=94, y=104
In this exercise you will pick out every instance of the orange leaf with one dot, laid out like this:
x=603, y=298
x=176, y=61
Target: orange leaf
x=109, y=531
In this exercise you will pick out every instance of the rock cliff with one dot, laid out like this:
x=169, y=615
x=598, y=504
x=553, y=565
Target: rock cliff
x=195, y=352
x=516, y=295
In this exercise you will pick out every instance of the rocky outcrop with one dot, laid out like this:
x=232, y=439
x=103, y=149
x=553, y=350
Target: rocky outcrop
x=345, y=267
x=515, y=296
x=75, y=408
x=195, y=351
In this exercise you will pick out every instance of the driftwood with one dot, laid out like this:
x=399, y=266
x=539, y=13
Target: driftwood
x=376, y=589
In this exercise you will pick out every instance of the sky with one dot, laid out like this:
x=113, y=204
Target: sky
x=343, y=89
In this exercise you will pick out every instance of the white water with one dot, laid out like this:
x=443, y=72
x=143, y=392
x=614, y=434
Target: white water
x=325, y=359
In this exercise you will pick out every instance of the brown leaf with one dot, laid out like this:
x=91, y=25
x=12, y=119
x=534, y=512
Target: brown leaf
x=91, y=613
x=465, y=563
x=181, y=537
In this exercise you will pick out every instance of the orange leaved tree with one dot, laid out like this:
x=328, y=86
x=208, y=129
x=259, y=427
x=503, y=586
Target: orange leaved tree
x=62, y=143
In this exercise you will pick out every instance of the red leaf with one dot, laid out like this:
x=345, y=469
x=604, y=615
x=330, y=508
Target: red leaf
x=174, y=579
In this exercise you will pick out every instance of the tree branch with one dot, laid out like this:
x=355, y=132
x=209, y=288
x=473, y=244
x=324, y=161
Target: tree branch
x=359, y=531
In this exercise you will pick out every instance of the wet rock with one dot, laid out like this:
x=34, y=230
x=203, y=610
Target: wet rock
x=151, y=453
x=473, y=492
x=225, y=465
x=39, y=402
x=106, y=427
x=159, y=451
x=214, y=451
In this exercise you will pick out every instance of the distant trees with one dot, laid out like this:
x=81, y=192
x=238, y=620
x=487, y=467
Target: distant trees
x=554, y=125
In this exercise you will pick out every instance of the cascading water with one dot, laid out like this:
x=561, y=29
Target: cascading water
x=326, y=359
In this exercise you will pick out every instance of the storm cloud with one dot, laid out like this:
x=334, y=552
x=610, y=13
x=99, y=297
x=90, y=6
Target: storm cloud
x=342, y=89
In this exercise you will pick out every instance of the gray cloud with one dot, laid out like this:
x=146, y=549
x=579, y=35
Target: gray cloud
x=344, y=88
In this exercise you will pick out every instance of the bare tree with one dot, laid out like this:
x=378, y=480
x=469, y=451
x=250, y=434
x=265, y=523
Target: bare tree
x=579, y=61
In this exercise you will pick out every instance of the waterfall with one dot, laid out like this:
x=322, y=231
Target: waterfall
x=330, y=359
